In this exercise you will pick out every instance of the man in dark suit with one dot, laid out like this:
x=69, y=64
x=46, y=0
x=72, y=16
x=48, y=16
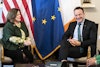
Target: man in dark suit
x=78, y=37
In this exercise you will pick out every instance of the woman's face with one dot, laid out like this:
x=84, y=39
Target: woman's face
x=18, y=17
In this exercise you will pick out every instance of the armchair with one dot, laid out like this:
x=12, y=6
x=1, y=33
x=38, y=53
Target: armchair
x=81, y=60
x=90, y=53
x=8, y=60
x=4, y=59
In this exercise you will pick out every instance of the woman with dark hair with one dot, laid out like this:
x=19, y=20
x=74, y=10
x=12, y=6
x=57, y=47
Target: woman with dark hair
x=16, y=38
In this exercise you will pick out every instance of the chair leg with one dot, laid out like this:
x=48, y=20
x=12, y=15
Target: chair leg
x=75, y=65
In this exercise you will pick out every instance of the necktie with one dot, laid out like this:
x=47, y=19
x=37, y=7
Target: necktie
x=79, y=32
x=79, y=36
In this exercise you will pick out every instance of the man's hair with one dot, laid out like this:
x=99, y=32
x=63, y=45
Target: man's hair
x=12, y=14
x=79, y=8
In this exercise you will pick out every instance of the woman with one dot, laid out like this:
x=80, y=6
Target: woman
x=15, y=38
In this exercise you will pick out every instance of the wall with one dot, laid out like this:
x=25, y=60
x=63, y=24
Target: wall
x=94, y=15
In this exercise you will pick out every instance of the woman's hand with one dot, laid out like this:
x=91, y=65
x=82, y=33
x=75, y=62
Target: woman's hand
x=74, y=42
x=91, y=61
x=27, y=42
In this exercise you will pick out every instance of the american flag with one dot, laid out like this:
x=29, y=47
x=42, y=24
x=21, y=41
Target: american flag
x=26, y=12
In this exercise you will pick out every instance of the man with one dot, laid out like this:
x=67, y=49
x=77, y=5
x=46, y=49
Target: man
x=95, y=61
x=78, y=37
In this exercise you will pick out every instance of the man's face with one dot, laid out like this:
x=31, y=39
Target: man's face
x=79, y=15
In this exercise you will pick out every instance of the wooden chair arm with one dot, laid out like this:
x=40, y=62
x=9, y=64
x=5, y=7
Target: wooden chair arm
x=89, y=52
x=2, y=51
x=32, y=49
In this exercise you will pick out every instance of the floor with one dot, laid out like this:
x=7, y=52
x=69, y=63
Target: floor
x=54, y=63
x=39, y=63
x=51, y=59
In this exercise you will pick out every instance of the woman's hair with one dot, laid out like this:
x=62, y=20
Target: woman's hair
x=12, y=14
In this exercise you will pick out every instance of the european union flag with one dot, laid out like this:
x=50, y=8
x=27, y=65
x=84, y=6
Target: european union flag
x=48, y=27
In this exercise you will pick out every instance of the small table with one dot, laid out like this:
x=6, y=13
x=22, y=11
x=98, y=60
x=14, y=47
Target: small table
x=29, y=65
x=53, y=64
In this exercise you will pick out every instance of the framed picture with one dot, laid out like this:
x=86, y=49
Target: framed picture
x=1, y=1
x=2, y=24
x=86, y=1
x=1, y=29
x=87, y=4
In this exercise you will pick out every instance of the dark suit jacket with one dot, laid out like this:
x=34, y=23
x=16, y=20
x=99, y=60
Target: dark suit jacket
x=89, y=34
x=10, y=30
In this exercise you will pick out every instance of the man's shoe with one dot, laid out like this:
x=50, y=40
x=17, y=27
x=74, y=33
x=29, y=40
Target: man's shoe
x=63, y=60
x=64, y=64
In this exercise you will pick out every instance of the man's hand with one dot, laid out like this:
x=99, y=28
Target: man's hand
x=74, y=42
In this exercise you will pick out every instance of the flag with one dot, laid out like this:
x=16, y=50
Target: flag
x=48, y=27
x=26, y=12
x=67, y=7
